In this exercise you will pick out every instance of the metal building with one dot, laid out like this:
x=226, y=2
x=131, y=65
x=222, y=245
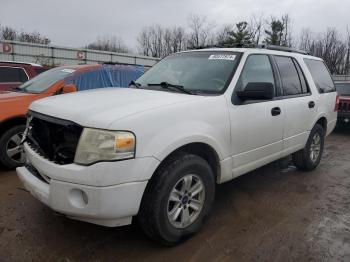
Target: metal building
x=56, y=56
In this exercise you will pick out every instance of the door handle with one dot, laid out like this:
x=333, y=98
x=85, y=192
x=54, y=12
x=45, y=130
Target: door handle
x=312, y=104
x=275, y=111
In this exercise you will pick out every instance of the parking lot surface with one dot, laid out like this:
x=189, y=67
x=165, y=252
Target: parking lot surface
x=275, y=213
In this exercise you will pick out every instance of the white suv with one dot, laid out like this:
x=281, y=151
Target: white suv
x=155, y=151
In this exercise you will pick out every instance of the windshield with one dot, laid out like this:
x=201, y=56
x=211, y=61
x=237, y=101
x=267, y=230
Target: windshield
x=201, y=71
x=43, y=81
x=343, y=88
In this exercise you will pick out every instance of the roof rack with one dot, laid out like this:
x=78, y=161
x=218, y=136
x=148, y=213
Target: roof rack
x=285, y=49
x=259, y=46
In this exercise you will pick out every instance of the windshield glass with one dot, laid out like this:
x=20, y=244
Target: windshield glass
x=343, y=88
x=202, y=71
x=43, y=81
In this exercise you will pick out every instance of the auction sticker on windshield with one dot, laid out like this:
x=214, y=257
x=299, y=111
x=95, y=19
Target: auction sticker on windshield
x=222, y=57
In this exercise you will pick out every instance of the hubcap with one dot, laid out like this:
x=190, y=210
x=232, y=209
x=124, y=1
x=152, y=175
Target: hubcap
x=186, y=201
x=13, y=149
x=315, y=147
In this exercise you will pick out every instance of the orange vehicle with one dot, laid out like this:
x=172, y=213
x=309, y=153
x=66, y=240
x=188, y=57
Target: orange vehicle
x=60, y=80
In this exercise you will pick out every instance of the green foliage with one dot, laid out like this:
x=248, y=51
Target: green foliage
x=275, y=33
x=278, y=32
x=240, y=36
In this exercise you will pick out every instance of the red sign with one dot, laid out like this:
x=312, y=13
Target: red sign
x=6, y=48
x=81, y=55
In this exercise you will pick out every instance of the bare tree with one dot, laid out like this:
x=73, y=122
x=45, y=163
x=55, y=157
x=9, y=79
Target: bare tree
x=256, y=28
x=34, y=37
x=200, y=30
x=306, y=39
x=287, y=34
x=109, y=43
x=347, y=58
x=178, y=39
x=157, y=41
x=223, y=34
x=144, y=42
x=8, y=33
x=160, y=41
x=328, y=45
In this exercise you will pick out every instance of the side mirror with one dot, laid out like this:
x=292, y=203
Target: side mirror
x=257, y=91
x=70, y=88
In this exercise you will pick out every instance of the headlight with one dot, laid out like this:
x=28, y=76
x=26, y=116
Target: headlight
x=102, y=145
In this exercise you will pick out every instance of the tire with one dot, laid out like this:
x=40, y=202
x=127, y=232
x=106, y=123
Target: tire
x=303, y=159
x=10, y=140
x=156, y=207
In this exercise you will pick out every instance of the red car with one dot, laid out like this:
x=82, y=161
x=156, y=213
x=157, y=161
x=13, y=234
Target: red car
x=343, y=102
x=13, y=74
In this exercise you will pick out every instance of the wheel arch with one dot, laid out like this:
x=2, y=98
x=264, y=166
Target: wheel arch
x=323, y=122
x=11, y=122
x=201, y=149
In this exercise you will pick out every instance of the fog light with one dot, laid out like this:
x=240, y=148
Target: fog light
x=78, y=198
x=346, y=120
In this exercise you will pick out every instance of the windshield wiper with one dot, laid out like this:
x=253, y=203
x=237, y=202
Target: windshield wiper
x=135, y=84
x=167, y=85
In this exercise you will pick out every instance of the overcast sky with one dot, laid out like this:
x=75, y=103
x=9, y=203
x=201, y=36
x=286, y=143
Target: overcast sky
x=75, y=23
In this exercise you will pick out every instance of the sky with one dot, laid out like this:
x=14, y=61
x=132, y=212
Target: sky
x=75, y=23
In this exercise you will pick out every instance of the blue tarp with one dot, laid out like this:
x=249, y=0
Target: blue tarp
x=105, y=76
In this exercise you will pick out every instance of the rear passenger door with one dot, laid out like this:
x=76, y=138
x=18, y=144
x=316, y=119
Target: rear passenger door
x=300, y=107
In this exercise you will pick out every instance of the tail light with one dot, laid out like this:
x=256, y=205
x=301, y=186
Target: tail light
x=337, y=101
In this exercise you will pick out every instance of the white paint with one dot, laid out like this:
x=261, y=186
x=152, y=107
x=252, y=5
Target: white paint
x=244, y=137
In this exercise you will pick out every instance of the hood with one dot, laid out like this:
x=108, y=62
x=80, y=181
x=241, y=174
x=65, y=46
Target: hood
x=101, y=107
x=8, y=96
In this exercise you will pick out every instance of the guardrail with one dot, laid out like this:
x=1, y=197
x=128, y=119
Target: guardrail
x=345, y=78
x=57, y=55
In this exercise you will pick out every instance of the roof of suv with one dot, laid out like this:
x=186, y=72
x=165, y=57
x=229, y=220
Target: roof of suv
x=265, y=50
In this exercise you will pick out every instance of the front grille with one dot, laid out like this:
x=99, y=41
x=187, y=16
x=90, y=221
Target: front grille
x=52, y=138
x=344, y=106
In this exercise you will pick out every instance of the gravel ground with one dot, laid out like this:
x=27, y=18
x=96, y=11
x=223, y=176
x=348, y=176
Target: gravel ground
x=275, y=213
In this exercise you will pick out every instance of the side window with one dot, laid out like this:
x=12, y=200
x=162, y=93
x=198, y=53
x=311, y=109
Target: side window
x=257, y=68
x=320, y=75
x=304, y=85
x=12, y=74
x=289, y=75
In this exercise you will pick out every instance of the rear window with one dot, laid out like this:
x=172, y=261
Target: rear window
x=12, y=75
x=320, y=75
x=343, y=88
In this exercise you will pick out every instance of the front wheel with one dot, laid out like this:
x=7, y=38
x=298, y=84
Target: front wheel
x=309, y=158
x=11, y=155
x=177, y=199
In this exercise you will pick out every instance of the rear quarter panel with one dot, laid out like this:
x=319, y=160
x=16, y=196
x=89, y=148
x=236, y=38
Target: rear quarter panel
x=325, y=102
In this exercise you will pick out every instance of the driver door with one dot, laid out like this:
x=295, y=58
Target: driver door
x=256, y=126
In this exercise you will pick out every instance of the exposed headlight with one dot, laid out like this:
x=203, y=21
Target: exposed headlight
x=102, y=145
